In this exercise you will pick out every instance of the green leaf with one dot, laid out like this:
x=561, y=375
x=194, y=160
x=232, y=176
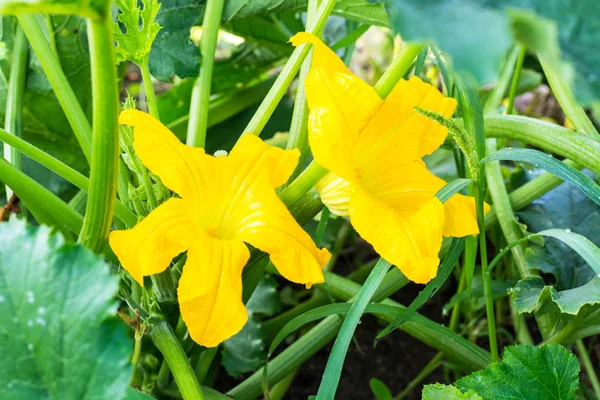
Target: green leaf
x=446, y=392
x=173, y=52
x=380, y=390
x=444, y=271
x=57, y=318
x=577, y=33
x=265, y=300
x=135, y=29
x=527, y=372
x=244, y=352
x=133, y=394
x=552, y=165
x=475, y=37
x=530, y=293
x=565, y=207
x=451, y=188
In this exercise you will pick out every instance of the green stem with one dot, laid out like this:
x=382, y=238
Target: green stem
x=397, y=69
x=566, y=98
x=487, y=279
x=289, y=71
x=303, y=183
x=198, y=123
x=62, y=170
x=298, y=137
x=62, y=89
x=14, y=98
x=515, y=81
x=589, y=367
x=105, y=156
x=164, y=339
x=280, y=389
x=550, y=137
x=149, y=89
x=40, y=200
x=204, y=363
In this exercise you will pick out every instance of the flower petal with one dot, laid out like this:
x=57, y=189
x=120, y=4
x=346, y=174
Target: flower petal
x=149, y=247
x=163, y=154
x=410, y=242
x=340, y=105
x=461, y=216
x=210, y=290
x=335, y=193
x=397, y=133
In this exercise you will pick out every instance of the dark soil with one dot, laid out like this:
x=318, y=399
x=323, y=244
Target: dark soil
x=396, y=360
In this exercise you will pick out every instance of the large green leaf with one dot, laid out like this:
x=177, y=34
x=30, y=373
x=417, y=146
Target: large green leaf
x=530, y=293
x=134, y=38
x=578, y=24
x=173, y=52
x=565, y=207
x=475, y=37
x=57, y=320
x=527, y=372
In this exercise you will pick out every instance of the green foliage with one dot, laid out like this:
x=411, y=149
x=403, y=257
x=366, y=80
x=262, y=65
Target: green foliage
x=447, y=392
x=44, y=123
x=140, y=29
x=527, y=372
x=173, y=52
x=380, y=390
x=565, y=207
x=58, y=320
x=552, y=165
x=530, y=293
x=245, y=351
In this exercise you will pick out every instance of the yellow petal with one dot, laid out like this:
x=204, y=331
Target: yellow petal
x=335, y=193
x=256, y=155
x=164, y=155
x=210, y=290
x=461, y=216
x=403, y=186
x=340, y=105
x=149, y=247
x=397, y=133
x=410, y=242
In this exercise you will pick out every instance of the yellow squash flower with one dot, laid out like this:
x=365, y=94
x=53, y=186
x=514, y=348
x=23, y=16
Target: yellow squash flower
x=224, y=203
x=373, y=150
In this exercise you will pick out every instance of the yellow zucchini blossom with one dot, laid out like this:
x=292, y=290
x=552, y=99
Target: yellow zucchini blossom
x=225, y=202
x=373, y=149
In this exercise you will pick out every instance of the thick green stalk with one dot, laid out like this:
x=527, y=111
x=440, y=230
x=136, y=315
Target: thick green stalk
x=40, y=201
x=198, y=123
x=550, y=137
x=298, y=137
x=14, y=98
x=62, y=89
x=64, y=171
x=104, y=164
x=149, y=89
x=566, y=98
x=289, y=71
x=303, y=183
x=165, y=340
x=397, y=69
